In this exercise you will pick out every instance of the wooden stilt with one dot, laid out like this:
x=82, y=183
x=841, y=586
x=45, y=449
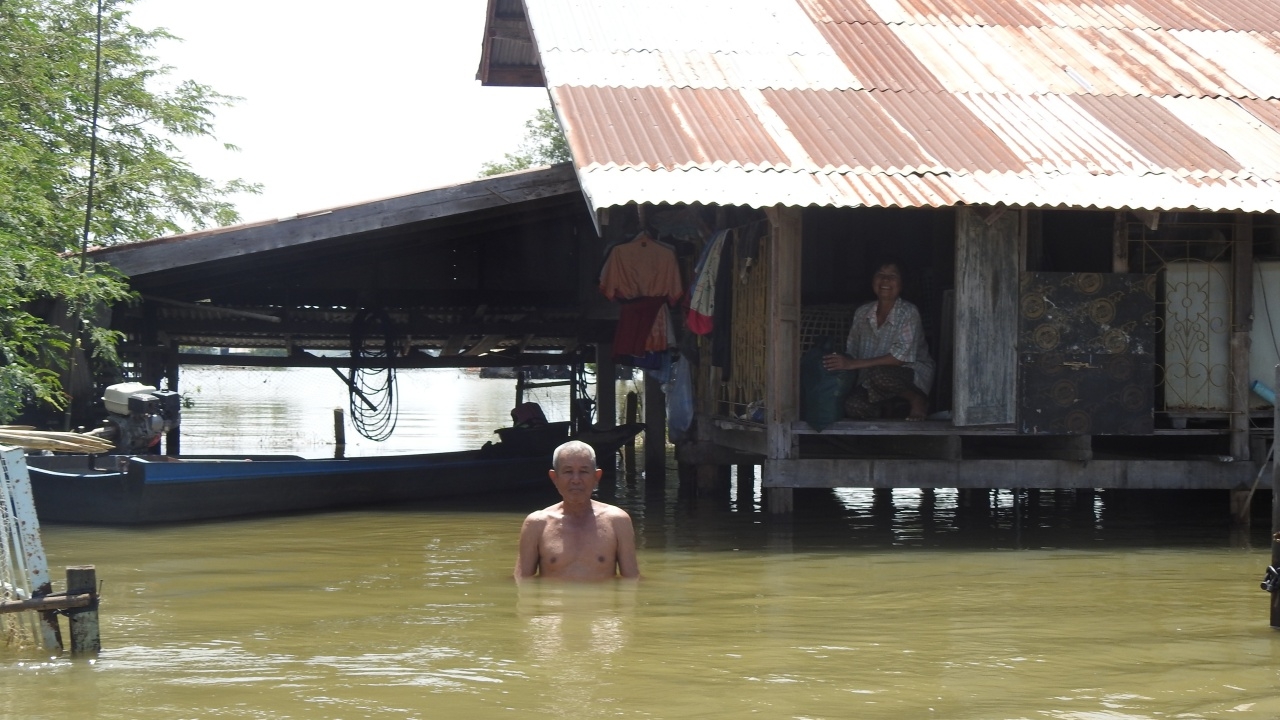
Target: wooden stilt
x=1275, y=503
x=629, y=449
x=606, y=387
x=655, y=437
x=780, y=500
x=1241, y=325
x=173, y=438
x=83, y=580
x=746, y=486
x=1240, y=502
x=339, y=433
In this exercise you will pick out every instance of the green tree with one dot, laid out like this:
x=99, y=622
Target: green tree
x=544, y=144
x=143, y=188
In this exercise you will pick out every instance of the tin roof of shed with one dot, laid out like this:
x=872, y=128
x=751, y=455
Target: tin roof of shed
x=1154, y=104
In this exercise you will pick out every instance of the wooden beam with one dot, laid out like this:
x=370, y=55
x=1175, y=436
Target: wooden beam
x=485, y=344
x=47, y=602
x=454, y=345
x=500, y=191
x=1275, y=498
x=1241, y=326
x=406, y=362
x=782, y=330
x=984, y=383
x=1007, y=474
x=1120, y=243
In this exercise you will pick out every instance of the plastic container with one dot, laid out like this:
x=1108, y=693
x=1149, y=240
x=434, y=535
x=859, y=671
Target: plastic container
x=116, y=397
x=1263, y=391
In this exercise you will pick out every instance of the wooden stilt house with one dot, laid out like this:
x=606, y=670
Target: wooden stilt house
x=1084, y=196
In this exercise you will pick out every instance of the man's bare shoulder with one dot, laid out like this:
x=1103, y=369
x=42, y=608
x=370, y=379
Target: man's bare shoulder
x=611, y=512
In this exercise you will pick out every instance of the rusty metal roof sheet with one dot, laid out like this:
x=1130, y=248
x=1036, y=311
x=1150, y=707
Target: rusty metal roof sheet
x=1156, y=104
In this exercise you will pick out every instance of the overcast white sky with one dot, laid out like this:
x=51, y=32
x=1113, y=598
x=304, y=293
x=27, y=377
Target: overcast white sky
x=343, y=102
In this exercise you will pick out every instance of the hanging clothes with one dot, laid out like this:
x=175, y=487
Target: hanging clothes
x=702, y=296
x=644, y=276
x=642, y=267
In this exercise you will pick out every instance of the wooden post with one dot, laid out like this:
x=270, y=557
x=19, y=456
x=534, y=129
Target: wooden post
x=606, y=387
x=746, y=490
x=655, y=437
x=173, y=438
x=1241, y=325
x=339, y=433
x=629, y=449
x=782, y=333
x=1119, y=244
x=1275, y=502
x=83, y=579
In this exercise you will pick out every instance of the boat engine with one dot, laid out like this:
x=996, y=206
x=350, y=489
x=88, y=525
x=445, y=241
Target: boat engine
x=138, y=416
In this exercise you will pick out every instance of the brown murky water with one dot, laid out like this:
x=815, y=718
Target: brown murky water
x=903, y=605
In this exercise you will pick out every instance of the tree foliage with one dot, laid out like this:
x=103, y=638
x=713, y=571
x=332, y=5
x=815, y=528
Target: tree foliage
x=544, y=144
x=143, y=188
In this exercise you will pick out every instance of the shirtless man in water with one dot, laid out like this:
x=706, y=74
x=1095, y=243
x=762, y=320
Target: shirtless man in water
x=577, y=538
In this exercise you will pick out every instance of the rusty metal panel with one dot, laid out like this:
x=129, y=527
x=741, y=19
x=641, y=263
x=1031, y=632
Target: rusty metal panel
x=1151, y=129
x=664, y=127
x=1086, y=346
x=1156, y=104
x=1261, y=15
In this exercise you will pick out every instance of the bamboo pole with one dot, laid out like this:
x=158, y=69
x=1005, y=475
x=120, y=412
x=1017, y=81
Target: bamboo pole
x=55, y=441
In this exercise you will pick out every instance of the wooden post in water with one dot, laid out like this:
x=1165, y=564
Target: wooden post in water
x=629, y=449
x=339, y=433
x=83, y=579
x=655, y=437
x=1275, y=500
x=746, y=486
x=606, y=387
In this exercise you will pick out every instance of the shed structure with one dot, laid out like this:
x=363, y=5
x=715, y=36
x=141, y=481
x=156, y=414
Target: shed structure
x=497, y=272
x=1083, y=192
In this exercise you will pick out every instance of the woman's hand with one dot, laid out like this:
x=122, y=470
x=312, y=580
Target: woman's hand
x=837, y=361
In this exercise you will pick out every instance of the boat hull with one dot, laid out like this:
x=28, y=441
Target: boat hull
x=154, y=489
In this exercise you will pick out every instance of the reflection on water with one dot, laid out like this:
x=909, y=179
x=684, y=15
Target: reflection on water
x=242, y=410
x=904, y=604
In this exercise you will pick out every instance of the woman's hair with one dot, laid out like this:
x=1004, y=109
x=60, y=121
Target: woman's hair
x=890, y=260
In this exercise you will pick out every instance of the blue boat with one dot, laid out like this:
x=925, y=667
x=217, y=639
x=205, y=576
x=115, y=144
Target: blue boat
x=142, y=489
x=147, y=489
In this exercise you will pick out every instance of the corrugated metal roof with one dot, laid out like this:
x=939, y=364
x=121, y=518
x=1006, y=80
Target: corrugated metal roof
x=1155, y=104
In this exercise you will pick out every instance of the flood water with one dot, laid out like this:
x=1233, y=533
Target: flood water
x=1089, y=606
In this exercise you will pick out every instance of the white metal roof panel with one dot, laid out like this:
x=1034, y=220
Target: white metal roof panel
x=607, y=187
x=699, y=69
x=726, y=26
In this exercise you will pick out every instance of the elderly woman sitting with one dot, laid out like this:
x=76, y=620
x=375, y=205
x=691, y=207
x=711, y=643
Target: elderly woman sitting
x=886, y=346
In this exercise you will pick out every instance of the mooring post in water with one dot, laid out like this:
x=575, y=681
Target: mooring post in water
x=629, y=448
x=85, y=640
x=655, y=438
x=339, y=433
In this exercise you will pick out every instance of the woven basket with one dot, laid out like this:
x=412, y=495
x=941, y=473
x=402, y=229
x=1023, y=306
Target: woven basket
x=821, y=321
